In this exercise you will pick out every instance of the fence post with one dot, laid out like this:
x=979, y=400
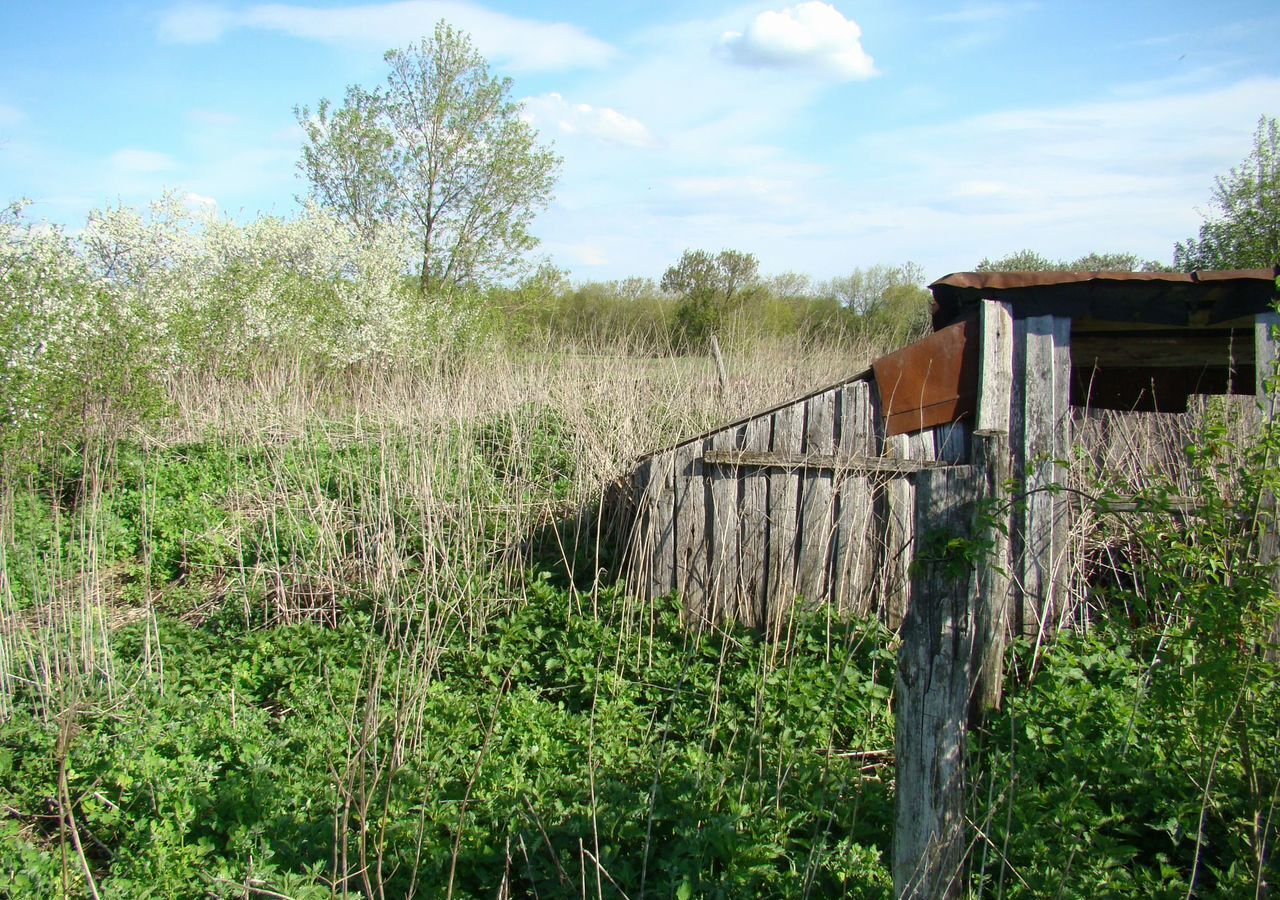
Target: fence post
x=952, y=638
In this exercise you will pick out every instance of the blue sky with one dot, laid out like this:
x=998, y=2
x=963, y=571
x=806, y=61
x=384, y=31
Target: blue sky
x=819, y=136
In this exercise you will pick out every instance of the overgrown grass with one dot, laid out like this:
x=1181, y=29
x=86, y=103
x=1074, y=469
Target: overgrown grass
x=322, y=633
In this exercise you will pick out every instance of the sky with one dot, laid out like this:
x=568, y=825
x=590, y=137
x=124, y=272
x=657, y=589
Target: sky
x=819, y=136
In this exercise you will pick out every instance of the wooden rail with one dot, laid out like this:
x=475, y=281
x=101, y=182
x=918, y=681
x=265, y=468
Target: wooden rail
x=820, y=461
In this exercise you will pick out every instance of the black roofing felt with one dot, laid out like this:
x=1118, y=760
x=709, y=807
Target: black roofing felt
x=1158, y=298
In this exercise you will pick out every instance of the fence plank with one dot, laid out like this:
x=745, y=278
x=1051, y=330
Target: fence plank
x=817, y=501
x=662, y=515
x=726, y=585
x=754, y=516
x=1039, y=523
x=898, y=523
x=784, y=486
x=853, y=552
x=692, y=562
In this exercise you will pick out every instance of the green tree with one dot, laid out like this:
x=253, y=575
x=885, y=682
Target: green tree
x=1032, y=261
x=440, y=149
x=1243, y=231
x=710, y=286
x=888, y=301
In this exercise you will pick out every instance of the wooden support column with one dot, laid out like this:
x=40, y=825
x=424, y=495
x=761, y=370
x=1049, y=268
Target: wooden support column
x=952, y=639
x=1040, y=438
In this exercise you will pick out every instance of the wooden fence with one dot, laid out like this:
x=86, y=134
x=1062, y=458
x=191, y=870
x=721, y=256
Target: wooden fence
x=808, y=500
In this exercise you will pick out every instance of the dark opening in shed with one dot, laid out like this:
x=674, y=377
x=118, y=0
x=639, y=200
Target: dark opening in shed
x=1140, y=341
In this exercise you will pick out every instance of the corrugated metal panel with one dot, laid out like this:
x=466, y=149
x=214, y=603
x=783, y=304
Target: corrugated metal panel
x=931, y=382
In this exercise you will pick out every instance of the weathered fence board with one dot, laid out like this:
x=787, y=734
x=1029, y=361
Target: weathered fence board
x=817, y=501
x=897, y=514
x=692, y=563
x=662, y=477
x=726, y=579
x=1040, y=437
x=784, y=495
x=853, y=553
x=754, y=517
x=995, y=366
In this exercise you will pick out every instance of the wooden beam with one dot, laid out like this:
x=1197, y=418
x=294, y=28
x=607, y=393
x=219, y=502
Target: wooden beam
x=1162, y=349
x=747, y=459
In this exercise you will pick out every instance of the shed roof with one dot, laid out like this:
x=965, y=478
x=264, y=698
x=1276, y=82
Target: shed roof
x=1159, y=298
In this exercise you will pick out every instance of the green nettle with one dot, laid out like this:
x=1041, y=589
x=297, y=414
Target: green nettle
x=441, y=150
x=1144, y=759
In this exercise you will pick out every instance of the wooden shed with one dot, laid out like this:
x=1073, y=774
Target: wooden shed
x=813, y=501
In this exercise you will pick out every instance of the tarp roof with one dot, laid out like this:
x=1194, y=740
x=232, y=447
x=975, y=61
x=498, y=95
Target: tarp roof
x=1160, y=298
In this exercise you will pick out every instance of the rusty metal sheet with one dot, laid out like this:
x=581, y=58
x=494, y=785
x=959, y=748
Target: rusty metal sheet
x=1167, y=298
x=931, y=382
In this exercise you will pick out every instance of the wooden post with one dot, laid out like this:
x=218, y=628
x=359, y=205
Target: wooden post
x=949, y=663
x=932, y=697
x=722, y=375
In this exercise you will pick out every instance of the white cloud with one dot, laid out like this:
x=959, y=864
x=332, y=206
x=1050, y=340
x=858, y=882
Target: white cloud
x=522, y=43
x=811, y=35
x=601, y=122
x=131, y=160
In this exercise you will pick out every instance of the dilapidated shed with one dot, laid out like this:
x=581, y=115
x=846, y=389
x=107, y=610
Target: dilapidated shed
x=813, y=501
